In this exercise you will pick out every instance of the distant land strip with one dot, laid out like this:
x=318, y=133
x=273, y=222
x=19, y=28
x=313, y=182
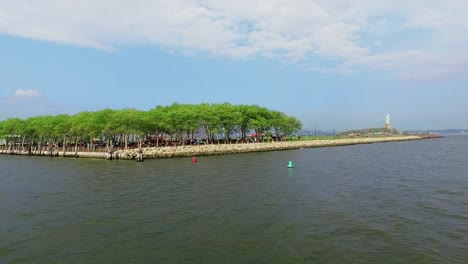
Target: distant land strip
x=220, y=149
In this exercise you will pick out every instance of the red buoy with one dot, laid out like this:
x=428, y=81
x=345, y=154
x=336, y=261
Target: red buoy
x=194, y=159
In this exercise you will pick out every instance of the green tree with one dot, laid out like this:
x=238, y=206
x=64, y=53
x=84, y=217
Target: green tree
x=248, y=115
x=229, y=116
x=11, y=131
x=277, y=122
x=261, y=121
x=131, y=125
x=289, y=125
x=209, y=120
x=156, y=122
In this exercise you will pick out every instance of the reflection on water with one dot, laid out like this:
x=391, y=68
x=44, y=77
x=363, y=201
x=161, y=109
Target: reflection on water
x=402, y=202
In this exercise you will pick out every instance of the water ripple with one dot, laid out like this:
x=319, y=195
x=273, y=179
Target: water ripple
x=402, y=202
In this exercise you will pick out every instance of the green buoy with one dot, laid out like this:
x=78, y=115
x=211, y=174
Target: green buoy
x=290, y=164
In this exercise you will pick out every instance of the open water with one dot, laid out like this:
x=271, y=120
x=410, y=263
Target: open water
x=401, y=202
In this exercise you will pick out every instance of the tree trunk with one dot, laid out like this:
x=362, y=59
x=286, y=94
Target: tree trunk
x=56, y=148
x=22, y=144
x=31, y=145
x=49, y=149
x=76, y=146
x=139, y=153
x=110, y=149
x=207, y=133
x=39, y=145
x=64, y=144
x=226, y=135
x=15, y=146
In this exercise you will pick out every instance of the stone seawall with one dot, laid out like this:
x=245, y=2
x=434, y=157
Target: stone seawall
x=206, y=150
x=219, y=149
x=67, y=154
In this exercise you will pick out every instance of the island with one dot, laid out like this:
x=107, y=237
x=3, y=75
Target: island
x=177, y=130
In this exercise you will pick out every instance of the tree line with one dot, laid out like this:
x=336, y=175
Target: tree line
x=178, y=121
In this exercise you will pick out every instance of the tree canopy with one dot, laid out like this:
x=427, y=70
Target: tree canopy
x=179, y=121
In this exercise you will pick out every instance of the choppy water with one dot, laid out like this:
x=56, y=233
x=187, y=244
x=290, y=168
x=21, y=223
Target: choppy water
x=402, y=202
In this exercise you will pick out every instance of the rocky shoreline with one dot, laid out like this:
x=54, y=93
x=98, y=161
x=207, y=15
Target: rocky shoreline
x=207, y=150
x=220, y=149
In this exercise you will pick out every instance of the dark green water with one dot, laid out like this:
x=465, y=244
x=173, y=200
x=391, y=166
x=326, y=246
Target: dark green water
x=402, y=202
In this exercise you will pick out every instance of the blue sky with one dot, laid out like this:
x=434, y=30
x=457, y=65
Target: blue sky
x=334, y=64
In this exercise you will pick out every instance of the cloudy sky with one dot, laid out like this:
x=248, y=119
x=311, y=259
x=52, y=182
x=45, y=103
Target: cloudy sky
x=335, y=64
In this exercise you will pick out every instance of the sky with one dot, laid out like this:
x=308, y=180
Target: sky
x=334, y=64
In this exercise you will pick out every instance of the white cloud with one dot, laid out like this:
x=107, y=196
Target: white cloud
x=22, y=103
x=28, y=102
x=20, y=96
x=27, y=93
x=343, y=32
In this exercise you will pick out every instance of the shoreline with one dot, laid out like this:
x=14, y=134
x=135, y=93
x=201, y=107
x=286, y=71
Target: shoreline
x=222, y=149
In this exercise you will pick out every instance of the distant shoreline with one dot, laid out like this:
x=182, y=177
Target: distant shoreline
x=221, y=149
